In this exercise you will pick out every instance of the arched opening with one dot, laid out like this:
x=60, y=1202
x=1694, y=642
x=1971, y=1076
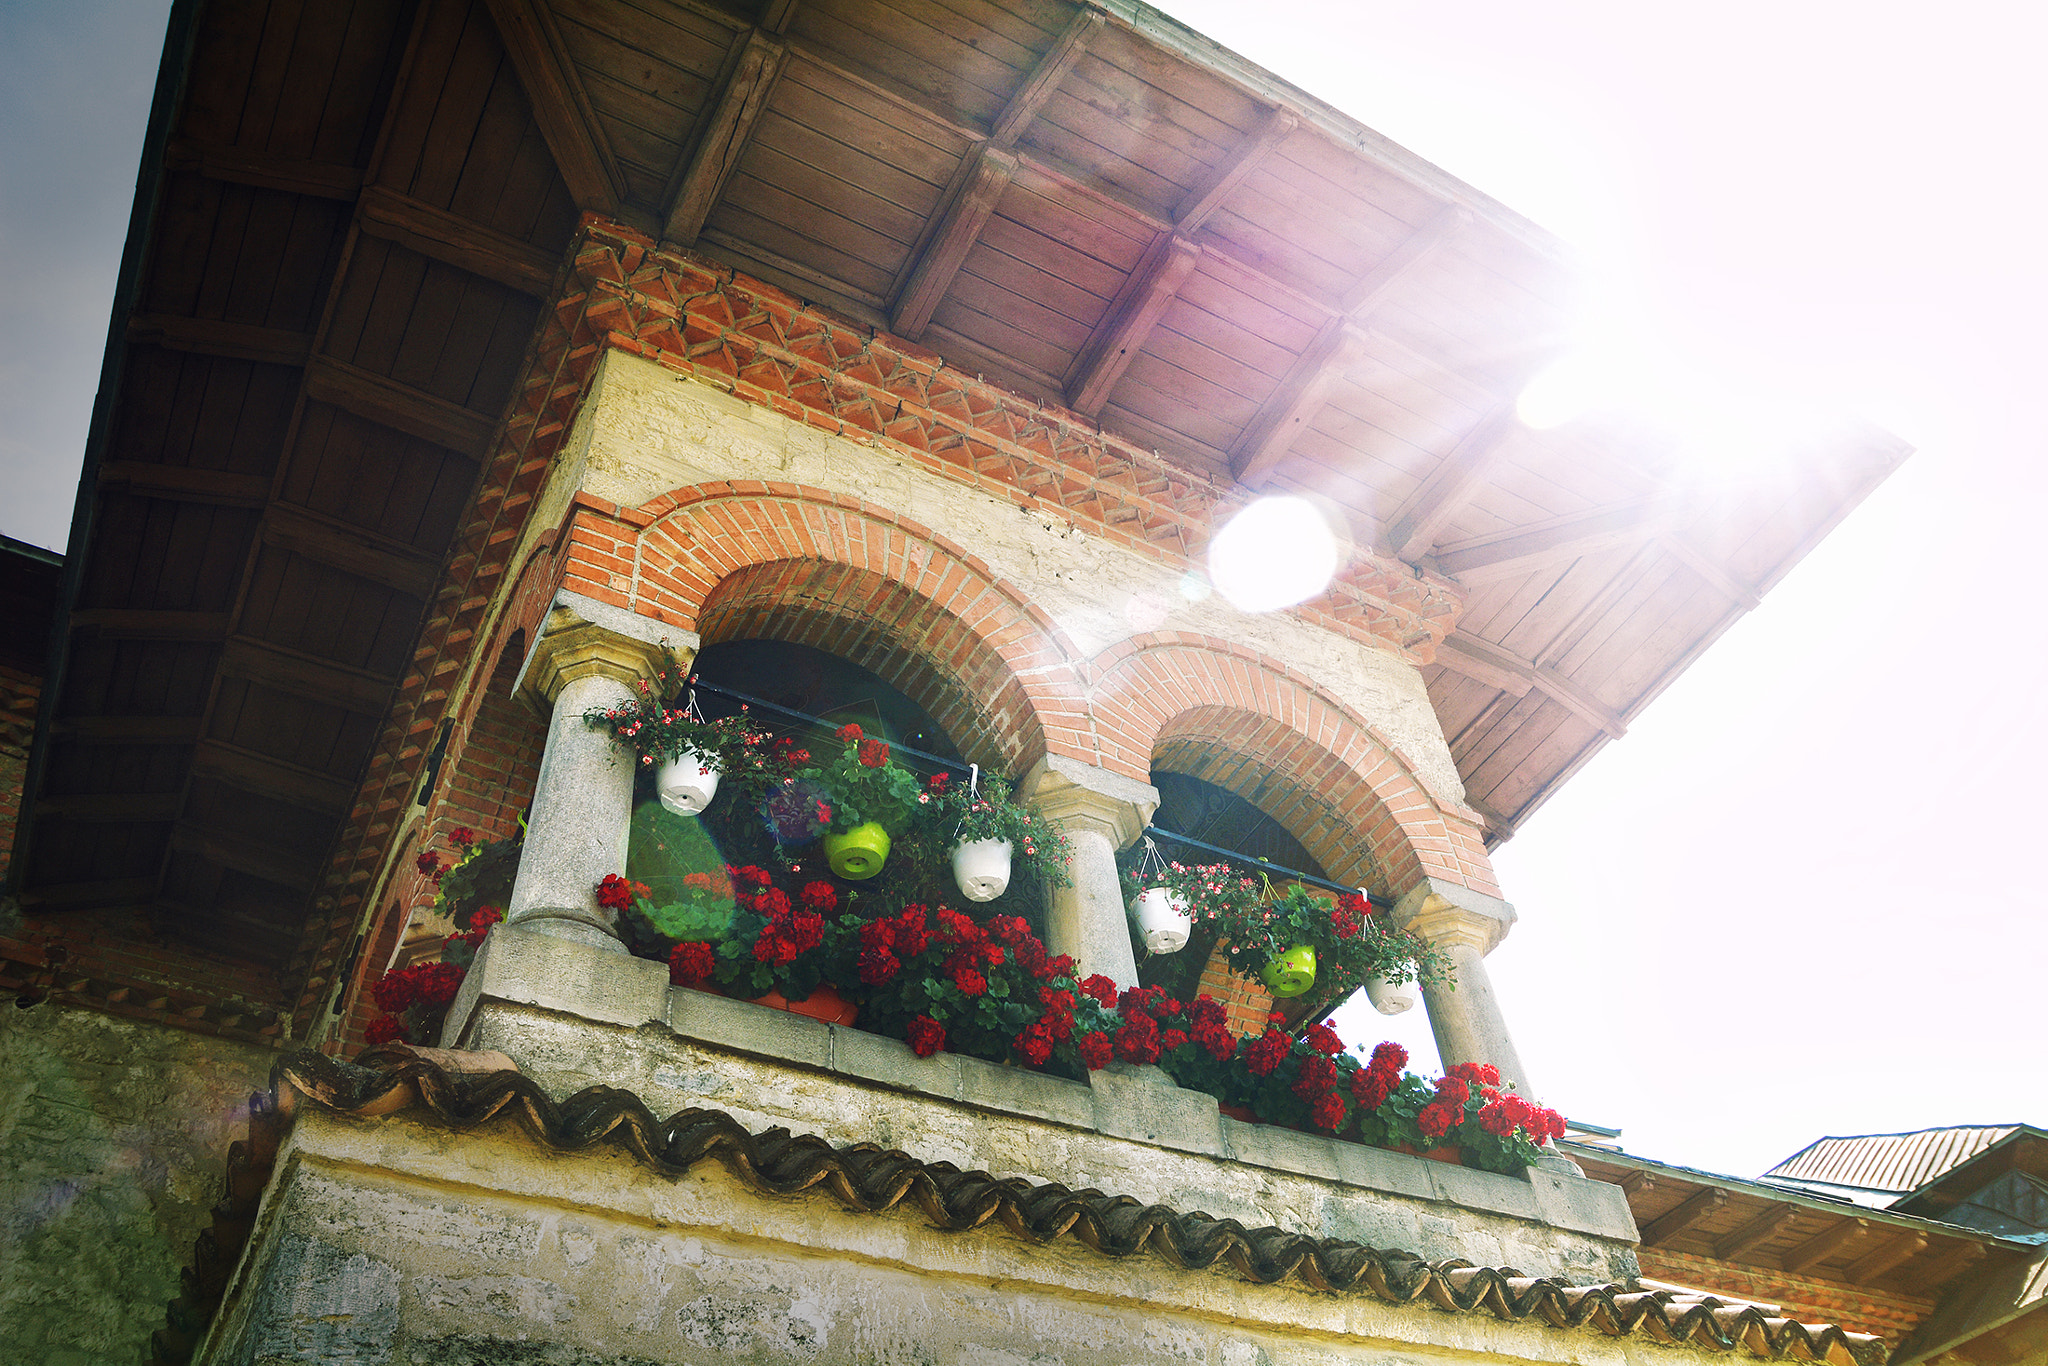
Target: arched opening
x=665, y=849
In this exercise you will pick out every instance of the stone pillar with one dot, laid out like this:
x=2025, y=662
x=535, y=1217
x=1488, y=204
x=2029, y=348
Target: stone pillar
x=1100, y=812
x=588, y=655
x=1465, y=1017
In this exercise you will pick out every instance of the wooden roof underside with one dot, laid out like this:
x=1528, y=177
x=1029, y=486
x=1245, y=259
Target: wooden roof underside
x=364, y=203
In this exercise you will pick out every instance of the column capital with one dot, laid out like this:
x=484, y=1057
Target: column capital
x=1079, y=796
x=1448, y=914
x=584, y=638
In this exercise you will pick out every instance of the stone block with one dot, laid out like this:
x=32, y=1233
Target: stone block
x=888, y=1062
x=1141, y=1103
x=747, y=1027
x=1582, y=1205
x=1382, y=1169
x=1014, y=1090
x=1509, y=1195
x=524, y=968
x=1288, y=1150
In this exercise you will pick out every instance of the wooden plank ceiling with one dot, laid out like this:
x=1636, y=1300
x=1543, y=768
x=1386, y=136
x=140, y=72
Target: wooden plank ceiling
x=364, y=203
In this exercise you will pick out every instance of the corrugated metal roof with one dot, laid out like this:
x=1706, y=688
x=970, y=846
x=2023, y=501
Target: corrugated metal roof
x=1887, y=1162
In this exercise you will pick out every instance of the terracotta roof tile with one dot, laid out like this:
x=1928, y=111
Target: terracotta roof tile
x=469, y=1090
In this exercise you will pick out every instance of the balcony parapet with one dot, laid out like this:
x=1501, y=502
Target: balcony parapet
x=573, y=1016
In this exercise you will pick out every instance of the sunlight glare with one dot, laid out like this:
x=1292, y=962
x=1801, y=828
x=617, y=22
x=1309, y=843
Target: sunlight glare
x=1275, y=553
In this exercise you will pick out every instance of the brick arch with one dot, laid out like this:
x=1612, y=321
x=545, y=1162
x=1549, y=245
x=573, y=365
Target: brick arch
x=1227, y=715
x=881, y=591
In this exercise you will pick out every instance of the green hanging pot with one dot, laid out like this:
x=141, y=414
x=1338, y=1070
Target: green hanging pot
x=1290, y=973
x=858, y=854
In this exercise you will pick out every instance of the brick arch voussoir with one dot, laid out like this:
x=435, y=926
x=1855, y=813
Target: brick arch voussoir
x=808, y=566
x=1223, y=713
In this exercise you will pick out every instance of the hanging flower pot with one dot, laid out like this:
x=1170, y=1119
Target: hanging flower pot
x=982, y=868
x=857, y=854
x=1387, y=997
x=1290, y=973
x=688, y=782
x=1163, y=920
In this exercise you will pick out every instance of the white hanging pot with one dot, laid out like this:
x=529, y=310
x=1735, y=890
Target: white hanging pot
x=1389, y=998
x=1163, y=920
x=687, y=783
x=982, y=868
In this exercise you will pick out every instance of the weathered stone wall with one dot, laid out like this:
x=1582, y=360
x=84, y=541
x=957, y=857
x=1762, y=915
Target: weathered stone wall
x=388, y=1241
x=112, y=1139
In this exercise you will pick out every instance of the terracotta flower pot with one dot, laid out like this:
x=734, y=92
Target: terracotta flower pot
x=824, y=1003
x=981, y=868
x=1290, y=973
x=687, y=783
x=1454, y=1156
x=858, y=854
x=1241, y=1112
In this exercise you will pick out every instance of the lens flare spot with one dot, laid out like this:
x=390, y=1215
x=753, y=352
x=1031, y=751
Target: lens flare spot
x=1277, y=552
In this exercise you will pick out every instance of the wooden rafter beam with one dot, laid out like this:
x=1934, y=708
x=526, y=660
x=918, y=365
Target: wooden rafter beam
x=1149, y=289
x=211, y=337
x=319, y=680
x=352, y=550
x=384, y=213
x=271, y=778
x=725, y=137
x=1755, y=1233
x=1296, y=400
x=1553, y=543
x=972, y=197
x=1825, y=1244
x=1452, y=484
x=247, y=853
x=1304, y=390
x=1497, y=667
x=392, y=404
x=1696, y=1207
x=1204, y=199
x=148, y=623
x=1128, y=321
x=1702, y=564
x=184, y=484
x=959, y=228
x=1889, y=1255
x=266, y=170
x=560, y=105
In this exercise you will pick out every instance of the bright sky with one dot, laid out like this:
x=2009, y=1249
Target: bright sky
x=1797, y=899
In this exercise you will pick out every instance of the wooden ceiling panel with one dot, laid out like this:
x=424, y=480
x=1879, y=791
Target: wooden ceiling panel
x=1280, y=322
x=866, y=220
x=1347, y=235
x=1278, y=255
x=244, y=254
x=1103, y=232
x=817, y=98
x=459, y=67
x=1040, y=303
x=397, y=486
x=1001, y=323
x=959, y=81
x=852, y=177
x=327, y=613
x=204, y=412
x=1182, y=401
x=843, y=252
x=168, y=555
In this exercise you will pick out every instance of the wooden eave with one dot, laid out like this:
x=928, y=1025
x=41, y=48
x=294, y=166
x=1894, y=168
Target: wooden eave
x=345, y=237
x=1765, y=1229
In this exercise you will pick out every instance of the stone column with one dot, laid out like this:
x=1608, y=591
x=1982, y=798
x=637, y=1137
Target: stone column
x=1465, y=1017
x=1100, y=812
x=588, y=655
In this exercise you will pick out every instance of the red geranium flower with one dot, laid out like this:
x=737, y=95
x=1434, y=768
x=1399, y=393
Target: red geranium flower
x=1034, y=1045
x=395, y=990
x=1094, y=1050
x=820, y=897
x=970, y=982
x=1328, y=1113
x=1265, y=1053
x=691, y=963
x=1438, y=1119
x=1138, y=1040
x=462, y=837
x=1390, y=1055
x=1318, y=1077
x=874, y=753
x=1323, y=1039
x=878, y=967
x=385, y=1029
x=849, y=733
x=1102, y=989
x=927, y=1036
